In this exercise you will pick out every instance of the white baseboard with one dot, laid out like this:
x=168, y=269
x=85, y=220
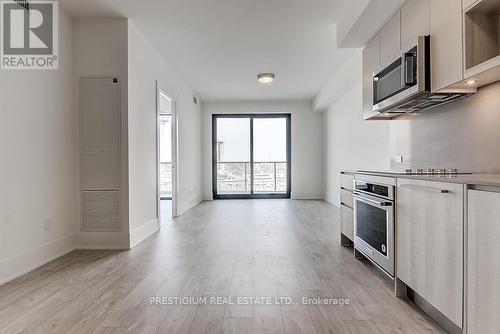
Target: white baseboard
x=102, y=247
x=142, y=232
x=21, y=264
x=306, y=197
x=102, y=240
x=330, y=201
x=207, y=197
x=186, y=206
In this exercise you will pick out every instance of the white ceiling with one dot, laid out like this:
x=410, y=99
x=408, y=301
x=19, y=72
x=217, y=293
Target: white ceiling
x=219, y=46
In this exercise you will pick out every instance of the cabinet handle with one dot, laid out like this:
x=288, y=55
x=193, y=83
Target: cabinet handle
x=432, y=190
x=347, y=206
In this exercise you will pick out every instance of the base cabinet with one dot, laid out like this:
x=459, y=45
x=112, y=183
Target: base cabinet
x=346, y=212
x=429, y=239
x=483, y=263
x=347, y=222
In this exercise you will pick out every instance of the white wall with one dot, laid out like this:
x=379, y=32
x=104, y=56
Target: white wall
x=37, y=172
x=306, y=143
x=39, y=143
x=340, y=83
x=351, y=143
x=101, y=51
x=145, y=66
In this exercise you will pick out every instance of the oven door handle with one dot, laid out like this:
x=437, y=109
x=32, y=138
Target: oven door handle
x=379, y=203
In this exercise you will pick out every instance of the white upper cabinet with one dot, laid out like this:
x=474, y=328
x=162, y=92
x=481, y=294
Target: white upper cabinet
x=371, y=63
x=390, y=40
x=464, y=44
x=415, y=21
x=446, y=43
x=481, y=38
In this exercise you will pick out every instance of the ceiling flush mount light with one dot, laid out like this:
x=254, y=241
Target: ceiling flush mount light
x=471, y=82
x=265, y=78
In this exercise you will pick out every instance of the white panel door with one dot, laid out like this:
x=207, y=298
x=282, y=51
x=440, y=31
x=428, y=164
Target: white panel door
x=100, y=115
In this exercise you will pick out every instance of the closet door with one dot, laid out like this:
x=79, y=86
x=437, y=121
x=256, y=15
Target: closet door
x=100, y=156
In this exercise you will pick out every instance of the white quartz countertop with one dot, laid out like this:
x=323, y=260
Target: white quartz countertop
x=492, y=180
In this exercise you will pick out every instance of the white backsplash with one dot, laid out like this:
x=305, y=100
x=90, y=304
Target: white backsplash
x=463, y=135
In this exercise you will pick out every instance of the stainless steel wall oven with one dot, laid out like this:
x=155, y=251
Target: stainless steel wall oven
x=374, y=223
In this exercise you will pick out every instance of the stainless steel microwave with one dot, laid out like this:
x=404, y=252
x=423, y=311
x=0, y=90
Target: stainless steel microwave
x=404, y=85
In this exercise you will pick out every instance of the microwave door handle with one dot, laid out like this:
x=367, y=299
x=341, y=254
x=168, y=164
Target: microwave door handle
x=407, y=79
x=403, y=69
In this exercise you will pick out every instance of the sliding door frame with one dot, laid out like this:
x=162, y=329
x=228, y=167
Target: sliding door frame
x=253, y=195
x=174, y=151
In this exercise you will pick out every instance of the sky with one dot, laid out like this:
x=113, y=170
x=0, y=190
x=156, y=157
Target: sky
x=165, y=139
x=269, y=139
x=165, y=128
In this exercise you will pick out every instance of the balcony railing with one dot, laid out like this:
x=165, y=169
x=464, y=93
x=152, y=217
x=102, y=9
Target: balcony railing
x=269, y=177
x=165, y=179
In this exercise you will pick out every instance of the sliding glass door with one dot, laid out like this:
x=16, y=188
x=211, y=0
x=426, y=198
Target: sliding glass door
x=251, y=156
x=232, y=149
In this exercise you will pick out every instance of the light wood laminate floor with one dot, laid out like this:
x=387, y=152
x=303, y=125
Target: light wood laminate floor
x=218, y=249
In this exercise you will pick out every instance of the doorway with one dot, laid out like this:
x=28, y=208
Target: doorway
x=166, y=157
x=251, y=156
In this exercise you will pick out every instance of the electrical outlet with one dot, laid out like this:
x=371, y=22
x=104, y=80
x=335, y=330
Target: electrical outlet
x=48, y=224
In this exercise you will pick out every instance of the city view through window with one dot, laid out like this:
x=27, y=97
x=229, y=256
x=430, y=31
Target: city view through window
x=165, y=156
x=235, y=172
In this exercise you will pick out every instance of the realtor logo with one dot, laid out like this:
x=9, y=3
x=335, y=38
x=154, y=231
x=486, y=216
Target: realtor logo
x=29, y=34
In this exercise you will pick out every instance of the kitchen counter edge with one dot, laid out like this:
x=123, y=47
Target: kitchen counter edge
x=490, y=180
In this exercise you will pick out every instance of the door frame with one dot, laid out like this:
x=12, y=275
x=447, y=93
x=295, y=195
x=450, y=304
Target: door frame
x=252, y=195
x=174, y=150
